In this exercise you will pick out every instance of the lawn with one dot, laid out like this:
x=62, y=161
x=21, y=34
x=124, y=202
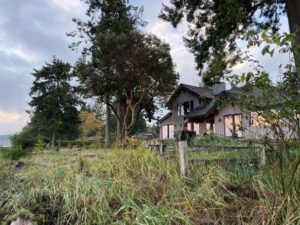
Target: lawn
x=137, y=187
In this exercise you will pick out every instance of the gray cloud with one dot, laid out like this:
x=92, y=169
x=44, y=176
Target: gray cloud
x=32, y=32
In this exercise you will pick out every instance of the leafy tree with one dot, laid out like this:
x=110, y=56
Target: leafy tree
x=124, y=65
x=54, y=102
x=278, y=107
x=141, y=67
x=90, y=125
x=216, y=25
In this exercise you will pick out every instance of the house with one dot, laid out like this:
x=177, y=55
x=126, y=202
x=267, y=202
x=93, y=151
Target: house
x=197, y=109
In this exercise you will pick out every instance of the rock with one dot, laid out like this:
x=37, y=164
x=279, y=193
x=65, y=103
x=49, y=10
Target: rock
x=76, y=148
x=19, y=164
x=21, y=221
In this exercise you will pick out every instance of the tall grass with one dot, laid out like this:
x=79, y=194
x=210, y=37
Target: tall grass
x=135, y=187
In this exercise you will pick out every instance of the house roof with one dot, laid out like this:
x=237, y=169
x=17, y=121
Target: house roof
x=202, y=111
x=194, y=90
x=169, y=114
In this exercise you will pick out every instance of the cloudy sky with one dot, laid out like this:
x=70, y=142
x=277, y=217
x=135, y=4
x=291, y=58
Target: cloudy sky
x=33, y=31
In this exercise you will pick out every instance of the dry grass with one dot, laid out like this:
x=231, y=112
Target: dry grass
x=135, y=187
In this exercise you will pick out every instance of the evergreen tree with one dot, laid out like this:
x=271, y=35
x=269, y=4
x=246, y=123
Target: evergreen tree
x=54, y=102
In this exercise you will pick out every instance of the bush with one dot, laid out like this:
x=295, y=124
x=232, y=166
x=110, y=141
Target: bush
x=25, y=139
x=96, y=145
x=214, y=140
x=14, y=153
x=79, y=143
x=39, y=145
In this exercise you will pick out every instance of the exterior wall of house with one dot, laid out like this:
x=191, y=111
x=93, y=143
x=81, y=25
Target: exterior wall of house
x=229, y=109
x=166, y=129
x=256, y=132
x=248, y=131
x=178, y=121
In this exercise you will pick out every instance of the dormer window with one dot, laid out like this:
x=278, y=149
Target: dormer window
x=185, y=108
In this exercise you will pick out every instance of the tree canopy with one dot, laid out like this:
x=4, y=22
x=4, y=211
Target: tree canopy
x=123, y=65
x=54, y=102
x=216, y=25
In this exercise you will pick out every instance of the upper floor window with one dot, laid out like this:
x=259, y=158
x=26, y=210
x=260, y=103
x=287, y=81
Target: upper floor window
x=185, y=108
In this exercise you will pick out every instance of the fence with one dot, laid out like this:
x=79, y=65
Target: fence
x=182, y=149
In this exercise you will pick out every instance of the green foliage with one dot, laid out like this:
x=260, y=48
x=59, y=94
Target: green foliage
x=277, y=105
x=124, y=66
x=216, y=26
x=54, y=102
x=139, y=187
x=214, y=140
x=39, y=145
x=26, y=139
x=79, y=143
x=14, y=153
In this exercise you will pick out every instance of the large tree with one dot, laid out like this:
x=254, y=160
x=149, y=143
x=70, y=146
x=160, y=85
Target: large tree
x=121, y=65
x=54, y=102
x=105, y=17
x=215, y=27
x=139, y=65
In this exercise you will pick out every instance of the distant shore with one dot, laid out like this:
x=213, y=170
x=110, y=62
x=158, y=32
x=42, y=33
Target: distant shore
x=5, y=141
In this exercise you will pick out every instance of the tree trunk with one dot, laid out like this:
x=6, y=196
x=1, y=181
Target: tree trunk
x=53, y=139
x=120, y=127
x=107, y=127
x=293, y=13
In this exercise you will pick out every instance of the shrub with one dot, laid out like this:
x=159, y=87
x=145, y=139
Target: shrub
x=214, y=140
x=14, y=153
x=39, y=145
x=79, y=143
x=95, y=145
x=25, y=139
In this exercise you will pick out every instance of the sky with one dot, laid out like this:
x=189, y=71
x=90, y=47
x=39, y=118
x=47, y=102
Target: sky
x=33, y=31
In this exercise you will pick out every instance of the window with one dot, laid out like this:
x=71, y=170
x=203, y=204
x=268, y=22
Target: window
x=210, y=128
x=233, y=125
x=165, y=132
x=168, y=131
x=257, y=120
x=185, y=108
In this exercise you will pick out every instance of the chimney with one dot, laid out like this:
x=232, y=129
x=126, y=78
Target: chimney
x=218, y=88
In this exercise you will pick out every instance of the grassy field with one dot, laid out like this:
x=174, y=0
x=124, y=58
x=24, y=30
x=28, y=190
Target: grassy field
x=140, y=187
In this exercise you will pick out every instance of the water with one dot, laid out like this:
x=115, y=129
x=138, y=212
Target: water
x=4, y=141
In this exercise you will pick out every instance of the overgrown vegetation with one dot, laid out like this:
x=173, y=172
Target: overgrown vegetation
x=13, y=153
x=214, y=140
x=139, y=187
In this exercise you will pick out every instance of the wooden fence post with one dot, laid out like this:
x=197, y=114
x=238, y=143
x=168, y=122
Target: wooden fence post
x=262, y=156
x=161, y=148
x=183, y=158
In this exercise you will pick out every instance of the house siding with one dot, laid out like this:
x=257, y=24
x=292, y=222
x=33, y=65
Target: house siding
x=184, y=96
x=214, y=119
x=229, y=109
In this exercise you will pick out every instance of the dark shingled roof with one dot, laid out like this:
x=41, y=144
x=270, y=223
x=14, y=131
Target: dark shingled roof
x=200, y=91
x=197, y=91
x=202, y=111
x=165, y=117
